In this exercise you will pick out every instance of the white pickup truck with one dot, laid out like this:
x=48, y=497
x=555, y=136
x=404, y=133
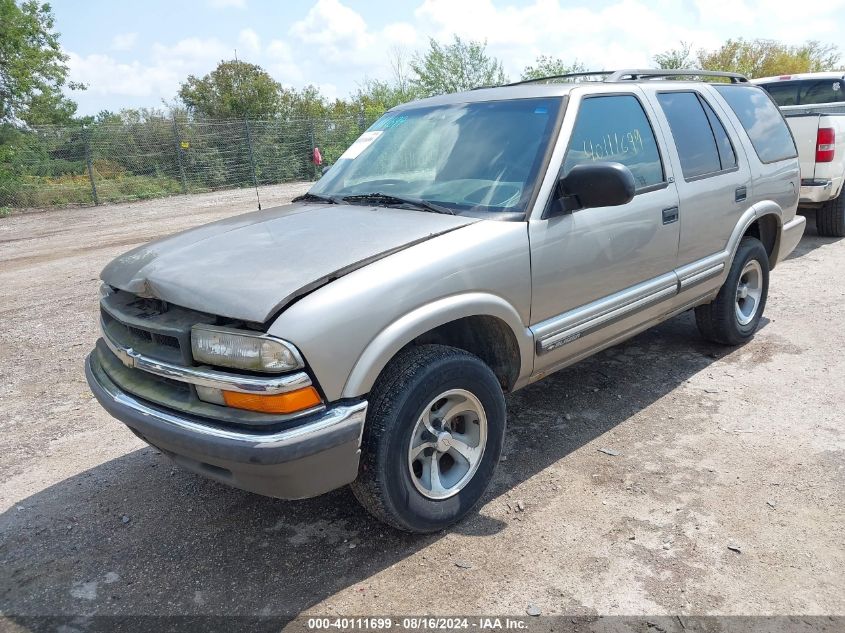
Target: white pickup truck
x=814, y=107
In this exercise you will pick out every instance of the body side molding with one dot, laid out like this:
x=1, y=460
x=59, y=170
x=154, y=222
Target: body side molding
x=571, y=325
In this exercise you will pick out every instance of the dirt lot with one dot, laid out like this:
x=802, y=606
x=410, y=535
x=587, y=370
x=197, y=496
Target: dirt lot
x=718, y=449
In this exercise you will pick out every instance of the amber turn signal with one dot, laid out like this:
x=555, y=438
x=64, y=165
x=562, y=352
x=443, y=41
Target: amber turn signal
x=289, y=402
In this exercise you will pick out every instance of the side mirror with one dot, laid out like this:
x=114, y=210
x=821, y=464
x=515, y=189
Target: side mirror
x=325, y=169
x=592, y=185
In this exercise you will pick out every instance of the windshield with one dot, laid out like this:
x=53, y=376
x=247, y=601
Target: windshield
x=467, y=157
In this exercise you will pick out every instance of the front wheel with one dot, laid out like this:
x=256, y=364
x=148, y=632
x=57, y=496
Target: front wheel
x=733, y=316
x=433, y=437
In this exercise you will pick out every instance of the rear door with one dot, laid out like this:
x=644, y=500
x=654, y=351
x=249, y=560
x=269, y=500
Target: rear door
x=712, y=172
x=767, y=141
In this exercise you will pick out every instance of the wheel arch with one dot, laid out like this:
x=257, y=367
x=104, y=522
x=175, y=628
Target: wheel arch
x=763, y=221
x=767, y=229
x=480, y=323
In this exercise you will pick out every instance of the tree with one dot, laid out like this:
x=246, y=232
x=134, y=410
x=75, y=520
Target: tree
x=446, y=68
x=377, y=95
x=50, y=107
x=676, y=58
x=401, y=74
x=302, y=104
x=234, y=89
x=374, y=96
x=33, y=68
x=763, y=58
x=547, y=66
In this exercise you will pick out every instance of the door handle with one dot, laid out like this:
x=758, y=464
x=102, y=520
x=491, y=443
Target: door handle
x=740, y=194
x=670, y=215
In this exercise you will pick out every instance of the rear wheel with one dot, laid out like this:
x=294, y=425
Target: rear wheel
x=830, y=217
x=433, y=437
x=733, y=316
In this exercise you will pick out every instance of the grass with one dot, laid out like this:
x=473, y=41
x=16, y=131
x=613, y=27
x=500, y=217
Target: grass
x=75, y=189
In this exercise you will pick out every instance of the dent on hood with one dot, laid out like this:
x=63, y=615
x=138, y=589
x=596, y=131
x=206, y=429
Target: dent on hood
x=342, y=272
x=120, y=272
x=256, y=270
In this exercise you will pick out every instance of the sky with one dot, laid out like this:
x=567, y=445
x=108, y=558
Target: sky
x=136, y=54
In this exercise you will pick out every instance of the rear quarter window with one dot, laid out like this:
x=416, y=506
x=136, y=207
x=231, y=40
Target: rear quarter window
x=763, y=122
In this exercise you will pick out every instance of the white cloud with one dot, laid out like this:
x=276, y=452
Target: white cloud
x=249, y=41
x=625, y=33
x=106, y=76
x=401, y=33
x=335, y=46
x=328, y=90
x=281, y=63
x=333, y=30
x=159, y=79
x=776, y=19
x=227, y=4
x=336, y=33
x=124, y=41
x=191, y=51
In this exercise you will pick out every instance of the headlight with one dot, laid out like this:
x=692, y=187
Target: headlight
x=228, y=347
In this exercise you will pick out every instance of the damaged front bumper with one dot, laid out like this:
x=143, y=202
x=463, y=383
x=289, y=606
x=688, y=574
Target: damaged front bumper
x=318, y=454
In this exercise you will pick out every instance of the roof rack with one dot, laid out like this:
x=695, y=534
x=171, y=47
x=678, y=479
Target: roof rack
x=637, y=74
x=659, y=73
x=591, y=73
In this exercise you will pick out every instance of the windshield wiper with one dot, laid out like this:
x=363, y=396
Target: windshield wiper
x=387, y=200
x=315, y=197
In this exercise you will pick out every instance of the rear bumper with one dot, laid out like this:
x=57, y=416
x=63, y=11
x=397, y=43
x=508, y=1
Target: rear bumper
x=815, y=191
x=319, y=454
x=790, y=236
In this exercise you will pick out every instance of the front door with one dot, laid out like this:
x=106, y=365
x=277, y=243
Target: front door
x=598, y=273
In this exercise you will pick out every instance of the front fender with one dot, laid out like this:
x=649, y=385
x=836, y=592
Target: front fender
x=345, y=328
x=425, y=318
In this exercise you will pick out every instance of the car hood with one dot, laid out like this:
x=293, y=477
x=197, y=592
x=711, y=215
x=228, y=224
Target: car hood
x=251, y=265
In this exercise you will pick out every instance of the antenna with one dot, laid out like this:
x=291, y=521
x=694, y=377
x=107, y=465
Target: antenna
x=248, y=135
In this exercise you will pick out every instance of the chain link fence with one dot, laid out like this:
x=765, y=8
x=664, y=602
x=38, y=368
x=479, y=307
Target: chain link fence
x=53, y=166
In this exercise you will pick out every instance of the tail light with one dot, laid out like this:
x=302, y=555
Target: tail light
x=825, y=144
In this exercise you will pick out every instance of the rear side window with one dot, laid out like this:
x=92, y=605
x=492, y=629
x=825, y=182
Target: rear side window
x=762, y=121
x=615, y=129
x=727, y=155
x=693, y=133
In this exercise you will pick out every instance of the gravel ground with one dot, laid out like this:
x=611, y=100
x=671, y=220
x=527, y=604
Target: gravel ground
x=726, y=494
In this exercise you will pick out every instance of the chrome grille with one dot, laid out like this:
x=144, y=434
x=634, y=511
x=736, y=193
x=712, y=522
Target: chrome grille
x=146, y=351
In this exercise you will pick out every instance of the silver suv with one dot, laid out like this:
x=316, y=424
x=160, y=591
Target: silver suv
x=463, y=247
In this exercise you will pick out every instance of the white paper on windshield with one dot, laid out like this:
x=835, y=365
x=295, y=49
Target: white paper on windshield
x=363, y=142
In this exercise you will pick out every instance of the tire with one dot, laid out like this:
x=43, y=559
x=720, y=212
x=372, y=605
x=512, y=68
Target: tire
x=418, y=382
x=830, y=217
x=730, y=319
